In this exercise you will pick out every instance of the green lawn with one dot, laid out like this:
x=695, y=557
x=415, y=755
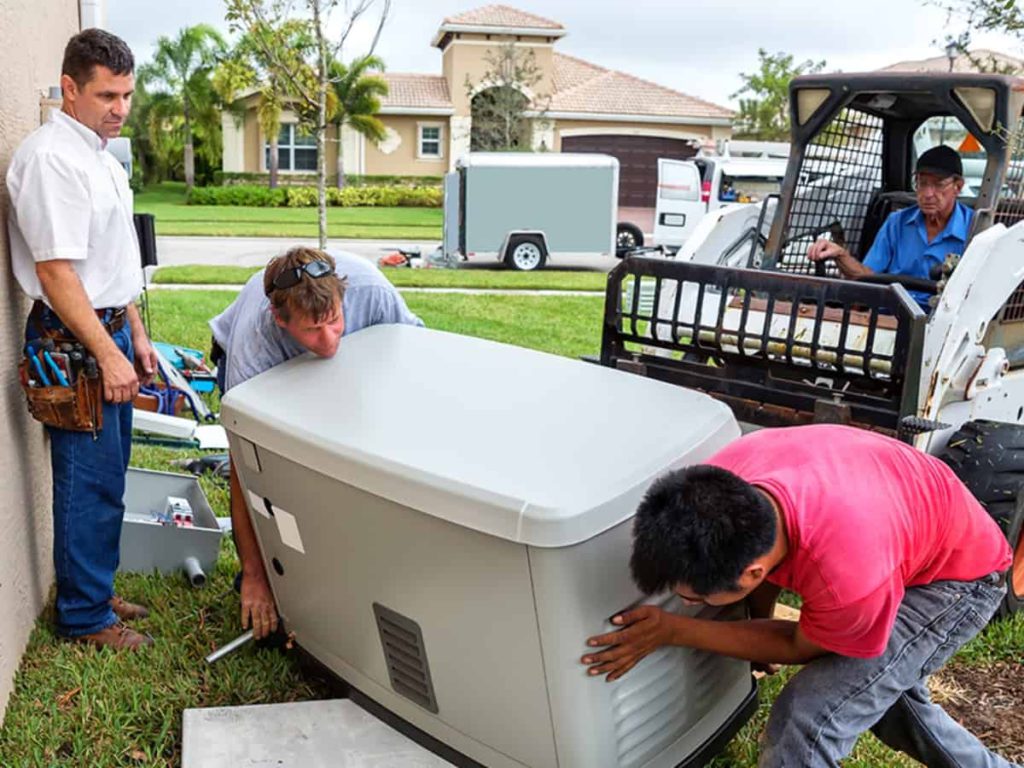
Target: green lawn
x=173, y=217
x=76, y=706
x=547, y=279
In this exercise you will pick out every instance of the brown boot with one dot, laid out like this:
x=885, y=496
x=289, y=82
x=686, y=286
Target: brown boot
x=116, y=636
x=126, y=611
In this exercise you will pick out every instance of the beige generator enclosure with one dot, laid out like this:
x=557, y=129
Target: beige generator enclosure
x=445, y=520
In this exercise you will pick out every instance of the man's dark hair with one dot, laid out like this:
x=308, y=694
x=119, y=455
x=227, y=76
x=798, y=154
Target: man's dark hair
x=700, y=526
x=92, y=47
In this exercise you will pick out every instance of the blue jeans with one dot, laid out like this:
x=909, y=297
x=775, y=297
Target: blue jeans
x=88, y=506
x=834, y=699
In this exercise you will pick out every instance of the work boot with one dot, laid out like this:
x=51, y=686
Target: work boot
x=126, y=611
x=116, y=636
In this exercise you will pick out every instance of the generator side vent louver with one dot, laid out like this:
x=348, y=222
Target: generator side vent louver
x=405, y=656
x=663, y=697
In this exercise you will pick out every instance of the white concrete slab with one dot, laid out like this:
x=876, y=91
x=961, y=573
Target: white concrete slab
x=309, y=734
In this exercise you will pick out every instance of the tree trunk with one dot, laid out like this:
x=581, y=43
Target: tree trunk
x=274, y=162
x=340, y=165
x=321, y=123
x=190, y=160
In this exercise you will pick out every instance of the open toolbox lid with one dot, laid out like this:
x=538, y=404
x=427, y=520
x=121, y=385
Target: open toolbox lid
x=524, y=445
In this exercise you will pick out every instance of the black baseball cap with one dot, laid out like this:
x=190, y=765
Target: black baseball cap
x=943, y=161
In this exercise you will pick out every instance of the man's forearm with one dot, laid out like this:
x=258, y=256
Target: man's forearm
x=245, y=537
x=851, y=268
x=766, y=641
x=68, y=299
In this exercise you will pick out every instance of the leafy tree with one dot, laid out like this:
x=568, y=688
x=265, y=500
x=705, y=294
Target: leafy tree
x=499, y=104
x=180, y=71
x=764, y=114
x=1005, y=16
x=306, y=70
x=358, y=93
x=248, y=67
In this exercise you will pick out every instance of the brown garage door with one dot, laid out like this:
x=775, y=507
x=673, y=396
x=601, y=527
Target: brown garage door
x=638, y=162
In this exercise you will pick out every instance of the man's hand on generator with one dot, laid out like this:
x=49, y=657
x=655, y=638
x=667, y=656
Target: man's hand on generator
x=644, y=630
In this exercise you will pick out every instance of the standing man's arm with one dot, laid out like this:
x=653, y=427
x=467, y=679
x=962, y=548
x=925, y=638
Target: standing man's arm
x=256, y=598
x=145, y=355
x=67, y=297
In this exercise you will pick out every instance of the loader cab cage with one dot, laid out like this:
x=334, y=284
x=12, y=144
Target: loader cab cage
x=853, y=154
x=779, y=349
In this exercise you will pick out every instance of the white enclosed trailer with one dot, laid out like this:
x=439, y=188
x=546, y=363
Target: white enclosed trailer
x=445, y=520
x=522, y=208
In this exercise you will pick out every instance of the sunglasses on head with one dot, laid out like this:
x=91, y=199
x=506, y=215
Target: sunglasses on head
x=314, y=269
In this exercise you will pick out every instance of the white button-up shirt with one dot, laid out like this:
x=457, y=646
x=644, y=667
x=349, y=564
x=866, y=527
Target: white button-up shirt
x=70, y=199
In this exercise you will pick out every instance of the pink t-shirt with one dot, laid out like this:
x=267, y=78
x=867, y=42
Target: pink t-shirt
x=867, y=516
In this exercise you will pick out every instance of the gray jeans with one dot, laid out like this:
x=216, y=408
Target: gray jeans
x=834, y=699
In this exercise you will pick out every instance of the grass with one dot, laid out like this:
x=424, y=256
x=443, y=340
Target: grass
x=547, y=279
x=173, y=217
x=76, y=706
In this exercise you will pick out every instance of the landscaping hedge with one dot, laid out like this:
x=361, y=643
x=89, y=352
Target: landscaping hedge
x=232, y=178
x=306, y=197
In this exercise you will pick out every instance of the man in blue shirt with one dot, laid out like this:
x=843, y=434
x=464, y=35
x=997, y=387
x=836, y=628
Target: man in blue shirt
x=913, y=240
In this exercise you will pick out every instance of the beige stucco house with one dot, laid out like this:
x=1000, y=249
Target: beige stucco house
x=576, y=106
x=26, y=569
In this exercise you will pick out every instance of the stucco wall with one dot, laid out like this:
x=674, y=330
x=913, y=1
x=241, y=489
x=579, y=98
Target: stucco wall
x=402, y=160
x=26, y=570
x=467, y=58
x=664, y=130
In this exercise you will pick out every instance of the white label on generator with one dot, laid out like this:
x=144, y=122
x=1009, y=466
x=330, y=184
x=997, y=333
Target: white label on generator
x=288, y=528
x=256, y=502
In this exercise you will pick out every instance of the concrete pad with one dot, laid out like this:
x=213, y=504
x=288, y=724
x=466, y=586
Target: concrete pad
x=309, y=734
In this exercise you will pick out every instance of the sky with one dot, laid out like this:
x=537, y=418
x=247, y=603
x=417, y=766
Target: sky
x=699, y=47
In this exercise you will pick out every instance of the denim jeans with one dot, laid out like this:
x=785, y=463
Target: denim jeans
x=88, y=506
x=820, y=713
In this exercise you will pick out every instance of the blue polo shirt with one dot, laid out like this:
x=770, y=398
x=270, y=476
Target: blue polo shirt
x=902, y=247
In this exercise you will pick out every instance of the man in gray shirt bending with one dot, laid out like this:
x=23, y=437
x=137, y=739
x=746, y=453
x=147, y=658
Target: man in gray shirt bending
x=304, y=301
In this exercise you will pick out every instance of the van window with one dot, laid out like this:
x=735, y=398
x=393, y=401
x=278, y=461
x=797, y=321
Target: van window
x=748, y=189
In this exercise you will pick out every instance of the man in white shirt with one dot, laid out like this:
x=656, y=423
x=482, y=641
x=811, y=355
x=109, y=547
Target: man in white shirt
x=74, y=251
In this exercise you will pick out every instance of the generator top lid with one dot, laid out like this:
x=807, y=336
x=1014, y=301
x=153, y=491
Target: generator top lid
x=528, y=446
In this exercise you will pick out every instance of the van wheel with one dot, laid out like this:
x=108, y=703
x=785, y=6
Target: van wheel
x=627, y=237
x=988, y=457
x=525, y=253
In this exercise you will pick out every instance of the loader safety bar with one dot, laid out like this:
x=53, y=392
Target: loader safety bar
x=779, y=348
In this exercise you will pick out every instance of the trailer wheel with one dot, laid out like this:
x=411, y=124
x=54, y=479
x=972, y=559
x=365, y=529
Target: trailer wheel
x=627, y=237
x=988, y=457
x=525, y=253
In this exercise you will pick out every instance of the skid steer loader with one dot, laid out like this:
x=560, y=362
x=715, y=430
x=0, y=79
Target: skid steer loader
x=742, y=314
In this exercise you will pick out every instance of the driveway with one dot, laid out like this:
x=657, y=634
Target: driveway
x=257, y=251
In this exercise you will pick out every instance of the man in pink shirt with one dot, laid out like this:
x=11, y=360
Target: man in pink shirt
x=897, y=564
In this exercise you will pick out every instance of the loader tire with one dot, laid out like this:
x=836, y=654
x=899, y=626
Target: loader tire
x=988, y=457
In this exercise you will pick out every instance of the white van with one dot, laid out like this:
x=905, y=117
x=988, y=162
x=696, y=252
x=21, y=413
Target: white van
x=687, y=189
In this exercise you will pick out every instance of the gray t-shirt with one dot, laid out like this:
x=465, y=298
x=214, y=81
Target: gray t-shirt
x=253, y=342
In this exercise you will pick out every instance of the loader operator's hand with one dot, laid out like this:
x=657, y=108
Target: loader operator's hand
x=120, y=382
x=825, y=250
x=644, y=629
x=258, y=606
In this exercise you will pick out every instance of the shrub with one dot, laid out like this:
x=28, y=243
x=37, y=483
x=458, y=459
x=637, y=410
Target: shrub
x=306, y=197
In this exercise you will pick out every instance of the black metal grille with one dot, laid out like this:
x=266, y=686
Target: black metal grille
x=1010, y=208
x=405, y=656
x=840, y=173
x=774, y=346
x=1013, y=310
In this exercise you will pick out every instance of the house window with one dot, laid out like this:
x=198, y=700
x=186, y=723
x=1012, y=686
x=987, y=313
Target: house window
x=430, y=141
x=295, y=150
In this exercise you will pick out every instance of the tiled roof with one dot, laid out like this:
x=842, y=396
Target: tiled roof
x=501, y=16
x=990, y=61
x=584, y=87
x=411, y=91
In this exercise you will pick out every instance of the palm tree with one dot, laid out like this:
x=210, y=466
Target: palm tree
x=181, y=69
x=358, y=101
